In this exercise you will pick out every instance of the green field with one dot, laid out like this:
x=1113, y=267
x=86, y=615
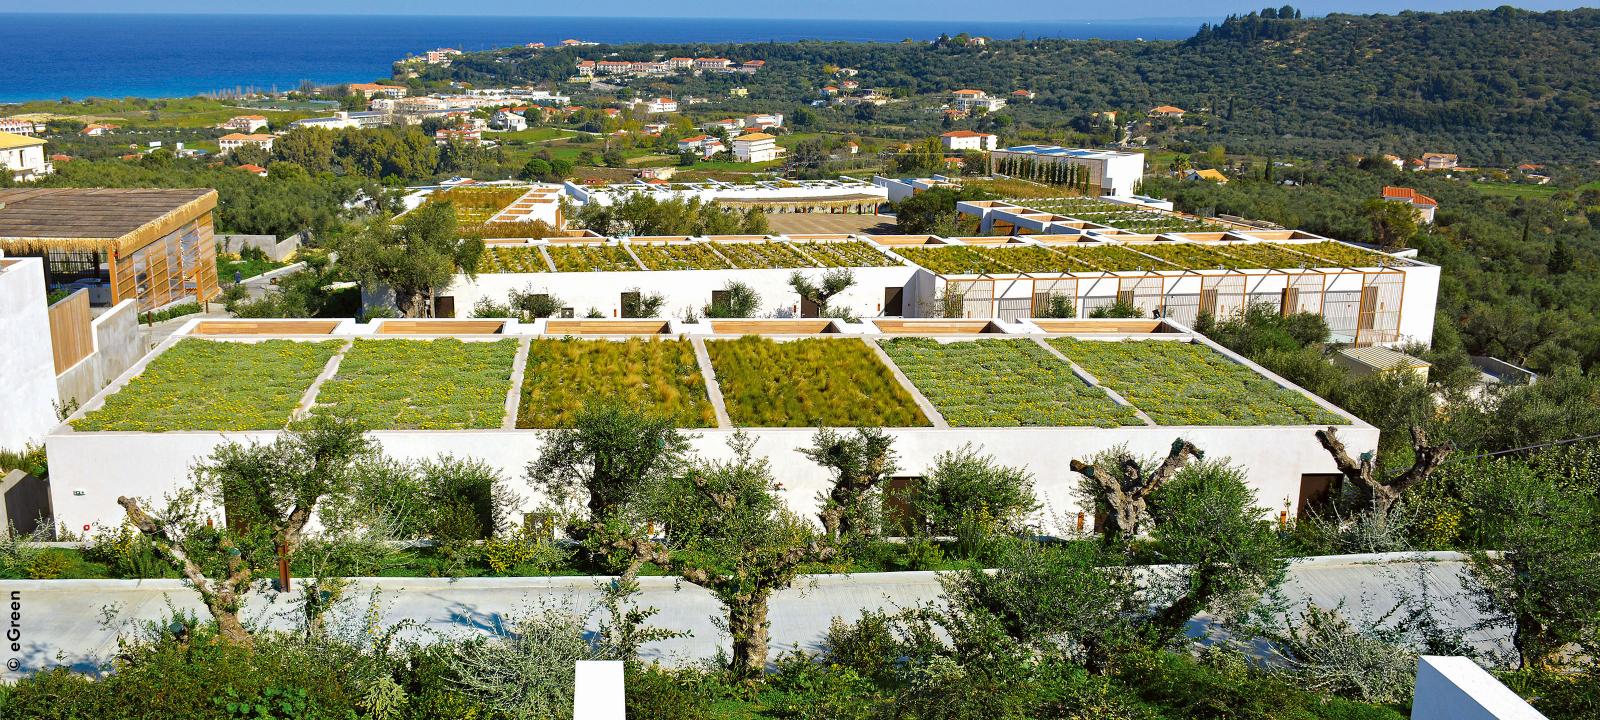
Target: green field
x=1515, y=190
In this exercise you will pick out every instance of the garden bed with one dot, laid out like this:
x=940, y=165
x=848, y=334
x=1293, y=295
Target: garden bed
x=659, y=376
x=215, y=385
x=443, y=384
x=809, y=382
x=1193, y=256
x=591, y=258
x=688, y=256
x=763, y=255
x=1267, y=255
x=512, y=260
x=1342, y=255
x=1003, y=383
x=1114, y=258
x=847, y=253
x=1183, y=383
x=955, y=260
x=474, y=206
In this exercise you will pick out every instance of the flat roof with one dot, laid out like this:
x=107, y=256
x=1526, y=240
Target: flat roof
x=1059, y=151
x=35, y=218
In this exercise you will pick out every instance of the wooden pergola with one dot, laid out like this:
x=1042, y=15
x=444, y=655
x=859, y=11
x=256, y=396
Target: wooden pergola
x=156, y=245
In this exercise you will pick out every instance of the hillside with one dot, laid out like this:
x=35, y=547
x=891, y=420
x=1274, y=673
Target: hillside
x=1491, y=86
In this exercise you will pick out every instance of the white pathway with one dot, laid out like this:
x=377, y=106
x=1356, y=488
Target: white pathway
x=65, y=621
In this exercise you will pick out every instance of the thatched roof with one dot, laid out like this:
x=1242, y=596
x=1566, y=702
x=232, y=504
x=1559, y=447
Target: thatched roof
x=125, y=219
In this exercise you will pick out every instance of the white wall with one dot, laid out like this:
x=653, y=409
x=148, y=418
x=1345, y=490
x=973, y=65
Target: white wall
x=148, y=465
x=27, y=365
x=682, y=288
x=118, y=344
x=1456, y=688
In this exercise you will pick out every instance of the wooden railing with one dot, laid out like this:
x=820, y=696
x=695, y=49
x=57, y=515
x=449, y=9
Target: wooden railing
x=71, y=334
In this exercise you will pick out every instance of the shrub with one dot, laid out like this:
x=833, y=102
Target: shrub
x=968, y=494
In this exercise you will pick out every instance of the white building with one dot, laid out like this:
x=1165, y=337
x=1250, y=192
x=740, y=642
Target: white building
x=960, y=140
x=23, y=157
x=1283, y=463
x=705, y=145
x=441, y=56
x=508, y=121
x=20, y=126
x=969, y=100
x=756, y=147
x=1111, y=172
x=763, y=121
x=245, y=123
x=660, y=105
x=1424, y=205
x=845, y=195
x=28, y=391
x=233, y=141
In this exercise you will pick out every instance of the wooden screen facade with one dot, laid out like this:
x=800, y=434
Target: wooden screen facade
x=179, y=264
x=71, y=334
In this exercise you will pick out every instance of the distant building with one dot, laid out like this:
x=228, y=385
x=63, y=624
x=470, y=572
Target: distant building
x=1207, y=175
x=738, y=92
x=441, y=56
x=661, y=105
x=1110, y=172
x=959, y=140
x=680, y=63
x=705, y=145
x=712, y=63
x=1167, y=111
x=252, y=168
x=1438, y=161
x=763, y=121
x=23, y=157
x=468, y=135
x=756, y=147
x=1424, y=205
x=233, y=141
x=1022, y=94
x=245, y=123
x=969, y=100
x=750, y=66
x=19, y=126
x=586, y=68
x=372, y=90
x=1377, y=360
x=508, y=121
x=96, y=130
x=729, y=124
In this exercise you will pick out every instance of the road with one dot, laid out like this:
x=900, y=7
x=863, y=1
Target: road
x=77, y=622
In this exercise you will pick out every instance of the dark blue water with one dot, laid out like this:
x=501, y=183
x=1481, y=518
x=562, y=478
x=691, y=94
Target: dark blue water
x=48, y=56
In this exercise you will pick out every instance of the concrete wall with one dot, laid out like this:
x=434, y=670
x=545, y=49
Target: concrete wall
x=150, y=464
x=1456, y=688
x=683, y=289
x=118, y=344
x=274, y=248
x=27, y=367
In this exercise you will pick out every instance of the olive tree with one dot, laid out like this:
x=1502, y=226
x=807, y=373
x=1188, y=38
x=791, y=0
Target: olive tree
x=268, y=493
x=1121, y=484
x=1375, y=492
x=860, y=463
x=415, y=256
x=727, y=531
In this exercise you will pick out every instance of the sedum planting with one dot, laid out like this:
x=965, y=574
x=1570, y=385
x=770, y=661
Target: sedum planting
x=657, y=376
x=845, y=253
x=1182, y=383
x=1003, y=383
x=215, y=385
x=591, y=258
x=763, y=254
x=684, y=256
x=512, y=260
x=421, y=384
x=809, y=382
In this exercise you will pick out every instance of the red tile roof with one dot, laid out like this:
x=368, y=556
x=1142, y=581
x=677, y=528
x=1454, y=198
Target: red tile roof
x=1408, y=194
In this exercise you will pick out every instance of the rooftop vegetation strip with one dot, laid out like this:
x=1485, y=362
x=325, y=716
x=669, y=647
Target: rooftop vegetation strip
x=1115, y=258
x=215, y=385
x=591, y=258
x=1067, y=205
x=846, y=253
x=512, y=260
x=684, y=256
x=1267, y=255
x=476, y=205
x=442, y=384
x=1183, y=383
x=1195, y=256
x=955, y=260
x=1003, y=383
x=766, y=254
x=835, y=382
x=1342, y=255
x=1034, y=258
x=659, y=376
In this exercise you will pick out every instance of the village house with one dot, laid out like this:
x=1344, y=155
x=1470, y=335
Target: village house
x=372, y=90
x=253, y=168
x=245, y=123
x=1438, y=161
x=660, y=105
x=1022, y=94
x=705, y=145
x=680, y=63
x=756, y=147
x=968, y=100
x=1207, y=175
x=764, y=121
x=441, y=56
x=712, y=63
x=960, y=140
x=20, y=126
x=23, y=157
x=1424, y=205
x=507, y=120
x=233, y=141
x=1167, y=111
x=97, y=129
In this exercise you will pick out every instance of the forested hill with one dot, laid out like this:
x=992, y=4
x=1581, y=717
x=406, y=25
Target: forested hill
x=1492, y=86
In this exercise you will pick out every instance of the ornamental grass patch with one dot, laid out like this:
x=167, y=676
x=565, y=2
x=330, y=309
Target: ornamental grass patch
x=763, y=255
x=658, y=376
x=591, y=258
x=1181, y=383
x=955, y=260
x=1003, y=383
x=809, y=382
x=512, y=260
x=690, y=256
x=215, y=385
x=1342, y=255
x=845, y=253
x=443, y=384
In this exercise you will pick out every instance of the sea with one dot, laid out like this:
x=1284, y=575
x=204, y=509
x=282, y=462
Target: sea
x=46, y=56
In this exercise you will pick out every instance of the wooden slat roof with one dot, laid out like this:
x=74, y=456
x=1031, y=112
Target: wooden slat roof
x=78, y=218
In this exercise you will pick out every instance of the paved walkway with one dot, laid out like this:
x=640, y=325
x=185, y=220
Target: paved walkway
x=76, y=622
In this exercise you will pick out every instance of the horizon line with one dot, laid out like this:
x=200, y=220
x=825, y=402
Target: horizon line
x=1172, y=20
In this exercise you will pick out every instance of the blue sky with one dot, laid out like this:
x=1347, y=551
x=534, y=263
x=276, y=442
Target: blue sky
x=841, y=9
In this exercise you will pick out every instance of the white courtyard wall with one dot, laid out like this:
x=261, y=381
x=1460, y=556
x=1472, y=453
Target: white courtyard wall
x=27, y=367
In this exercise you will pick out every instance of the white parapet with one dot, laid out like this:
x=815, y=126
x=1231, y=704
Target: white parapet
x=598, y=694
x=1456, y=688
